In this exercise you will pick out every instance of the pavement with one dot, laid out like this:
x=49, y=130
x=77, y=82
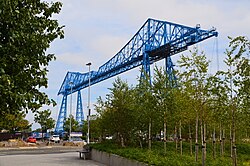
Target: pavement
x=43, y=156
x=37, y=150
x=54, y=159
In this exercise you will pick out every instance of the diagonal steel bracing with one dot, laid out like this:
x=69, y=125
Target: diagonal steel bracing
x=158, y=39
x=79, y=109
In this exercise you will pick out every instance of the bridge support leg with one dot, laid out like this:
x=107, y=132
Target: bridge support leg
x=170, y=71
x=79, y=110
x=62, y=115
x=146, y=67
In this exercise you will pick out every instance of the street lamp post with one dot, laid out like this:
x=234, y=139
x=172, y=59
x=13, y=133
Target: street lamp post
x=70, y=125
x=88, y=117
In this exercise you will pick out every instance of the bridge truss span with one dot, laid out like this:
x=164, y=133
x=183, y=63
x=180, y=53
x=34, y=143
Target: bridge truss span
x=154, y=41
x=157, y=38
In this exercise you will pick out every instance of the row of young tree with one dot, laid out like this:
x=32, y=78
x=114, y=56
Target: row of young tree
x=199, y=107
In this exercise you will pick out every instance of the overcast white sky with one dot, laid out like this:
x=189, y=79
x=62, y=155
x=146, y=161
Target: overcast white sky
x=97, y=29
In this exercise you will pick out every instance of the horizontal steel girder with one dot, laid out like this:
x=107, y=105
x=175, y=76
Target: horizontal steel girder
x=157, y=38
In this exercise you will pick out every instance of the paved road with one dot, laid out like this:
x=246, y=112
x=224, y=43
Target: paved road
x=52, y=159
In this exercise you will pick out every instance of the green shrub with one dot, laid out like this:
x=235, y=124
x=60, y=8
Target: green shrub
x=156, y=155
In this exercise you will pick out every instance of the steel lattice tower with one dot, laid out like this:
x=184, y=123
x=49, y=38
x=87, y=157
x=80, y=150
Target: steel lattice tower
x=79, y=110
x=62, y=115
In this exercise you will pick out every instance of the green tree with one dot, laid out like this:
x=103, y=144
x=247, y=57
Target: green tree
x=164, y=92
x=240, y=48
x=15, y=122
x=244, y=72
x=194, y=80
x=120, y=111
x=218, y=102
x=26, y=31
x=238, y=81
x=75, y=127
x=146, y=107
x=44, y=119
x=104, y=127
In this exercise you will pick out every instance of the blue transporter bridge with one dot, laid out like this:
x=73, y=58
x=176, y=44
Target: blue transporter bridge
x=154, y=41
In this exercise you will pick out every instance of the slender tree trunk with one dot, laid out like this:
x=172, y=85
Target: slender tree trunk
x=205, y=142
x=202, y=144
x=196, y=137
x=214, y=145
x=140, y=142
x=140, y=138
x=233, y=133
x=190, y=140
x=165, y=133
x=231, y=143
x=175, y=135
x=122, y=140
x=223, y=140
x=221, y=144
x=201, y=126
x=149, y=134
x=180, y=138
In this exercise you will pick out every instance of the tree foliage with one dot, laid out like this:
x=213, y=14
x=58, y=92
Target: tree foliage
x=75, y=127
x=26, y=31
x=44, y=119
x=14, y=123
x=210, y=106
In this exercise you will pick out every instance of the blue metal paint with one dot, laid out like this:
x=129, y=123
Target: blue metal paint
x=154, y=41
x=159, y=39
x=79, y=110
x=62, y=115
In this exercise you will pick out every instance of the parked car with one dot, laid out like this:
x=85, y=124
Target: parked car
x=55, y=138
x=31, y=139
